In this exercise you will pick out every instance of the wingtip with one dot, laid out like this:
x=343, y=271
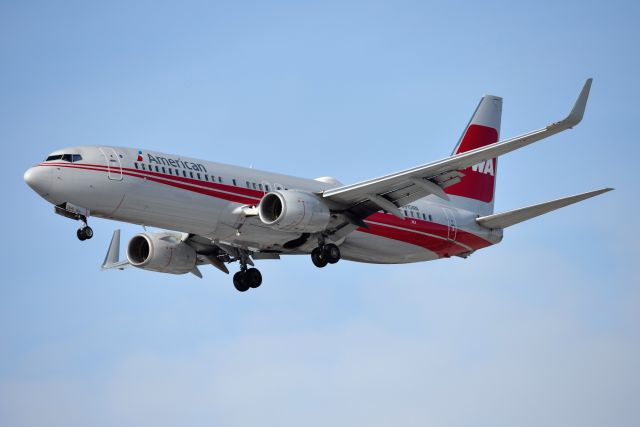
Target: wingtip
x=113, y=253
x=577, y=112
x=599, y=192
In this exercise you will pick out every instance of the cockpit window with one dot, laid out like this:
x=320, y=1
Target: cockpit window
x=65, y=157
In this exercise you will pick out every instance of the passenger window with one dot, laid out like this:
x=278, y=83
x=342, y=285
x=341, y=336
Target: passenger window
x=191, y=174
x=143, y=167
x=248, y=185
x=254, y=185
x=184, y=173
x=406, y=213
x=170, y=172
x=76, y=157
x=157, y=170
x=163, y=171
x=206, y=177
x=430, y=217
x=424, y=217
x=266, y=187
x=198, y=175
x=260, y=187
x=234, y=182
x=136, y=165
x=220, y=179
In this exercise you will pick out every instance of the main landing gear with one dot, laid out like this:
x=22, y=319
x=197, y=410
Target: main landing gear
x=325, y=254
x=247, y=278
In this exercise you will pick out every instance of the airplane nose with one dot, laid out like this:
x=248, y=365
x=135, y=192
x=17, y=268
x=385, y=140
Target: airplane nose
x=39, y=180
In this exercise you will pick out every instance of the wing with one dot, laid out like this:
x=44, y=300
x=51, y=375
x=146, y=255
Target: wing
x=389, y=192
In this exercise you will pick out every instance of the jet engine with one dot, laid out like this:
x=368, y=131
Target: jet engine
x=162, y=252
x=292, y=210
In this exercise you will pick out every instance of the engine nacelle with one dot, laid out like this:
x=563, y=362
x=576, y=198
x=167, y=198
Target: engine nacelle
x=163, y=252
x=291, y=210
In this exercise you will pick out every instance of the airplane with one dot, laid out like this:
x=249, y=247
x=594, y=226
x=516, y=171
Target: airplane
x=218, y=214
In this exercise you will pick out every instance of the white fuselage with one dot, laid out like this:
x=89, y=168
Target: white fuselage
x=206, y=199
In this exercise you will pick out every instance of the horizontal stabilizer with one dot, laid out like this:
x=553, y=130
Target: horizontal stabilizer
x=507, y=219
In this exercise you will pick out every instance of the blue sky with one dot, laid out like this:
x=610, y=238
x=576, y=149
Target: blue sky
x=539, y=330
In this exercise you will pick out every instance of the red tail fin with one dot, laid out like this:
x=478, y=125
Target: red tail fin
x=478, y=183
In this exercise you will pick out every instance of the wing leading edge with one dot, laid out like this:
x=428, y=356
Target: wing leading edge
x=400, y=188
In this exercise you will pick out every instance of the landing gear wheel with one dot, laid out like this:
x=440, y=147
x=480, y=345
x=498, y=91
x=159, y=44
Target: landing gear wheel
x=240, y=281
x=84, y=233
x=318, y=259
x=331, y=253
x=253, y=277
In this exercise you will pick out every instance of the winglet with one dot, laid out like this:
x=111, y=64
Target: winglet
x=577, y=112
x=113, y=254
x=112, y=259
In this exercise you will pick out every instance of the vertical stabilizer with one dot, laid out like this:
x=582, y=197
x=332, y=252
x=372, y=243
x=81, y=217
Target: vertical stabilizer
x=475, y=191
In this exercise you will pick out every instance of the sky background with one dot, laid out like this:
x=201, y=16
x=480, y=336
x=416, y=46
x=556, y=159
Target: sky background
x=542, y=329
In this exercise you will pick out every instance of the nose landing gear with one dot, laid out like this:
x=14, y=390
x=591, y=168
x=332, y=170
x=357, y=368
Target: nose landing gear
x=325, y=254
x=85, y=232
x=77, y=213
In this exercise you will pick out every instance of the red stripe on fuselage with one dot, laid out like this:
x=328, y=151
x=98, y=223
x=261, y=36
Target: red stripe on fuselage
x=425, y=234
x=443, y=248
x=237, y=191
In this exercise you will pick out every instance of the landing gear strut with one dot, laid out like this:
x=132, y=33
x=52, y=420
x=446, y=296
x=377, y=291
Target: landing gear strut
x=77, y=213
x=325, y=254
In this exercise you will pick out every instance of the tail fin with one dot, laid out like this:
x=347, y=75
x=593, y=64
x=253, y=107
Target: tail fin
x=476, y=189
